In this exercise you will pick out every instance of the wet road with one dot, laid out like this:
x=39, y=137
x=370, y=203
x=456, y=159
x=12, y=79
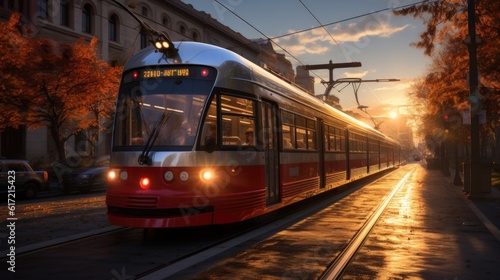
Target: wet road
x=428, y=232
x=49, y=217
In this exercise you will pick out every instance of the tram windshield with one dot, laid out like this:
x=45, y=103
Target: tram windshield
x=161, y=107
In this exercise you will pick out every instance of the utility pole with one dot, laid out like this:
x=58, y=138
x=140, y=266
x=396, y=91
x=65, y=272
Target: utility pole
x=330, y=66
x=475, y=100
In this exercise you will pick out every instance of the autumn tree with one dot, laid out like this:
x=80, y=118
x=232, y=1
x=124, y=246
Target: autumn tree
x=64, y=87
x=446, y=29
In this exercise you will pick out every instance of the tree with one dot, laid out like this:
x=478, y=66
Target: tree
x=64, y=87
x=446, y=29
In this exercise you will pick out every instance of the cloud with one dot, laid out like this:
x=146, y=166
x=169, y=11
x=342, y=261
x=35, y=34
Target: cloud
x=368, y=27
x=397, y=86
x=317, y=41
x=359, y=74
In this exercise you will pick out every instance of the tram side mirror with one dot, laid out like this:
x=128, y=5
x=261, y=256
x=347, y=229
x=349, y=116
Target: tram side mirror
x=209, y=144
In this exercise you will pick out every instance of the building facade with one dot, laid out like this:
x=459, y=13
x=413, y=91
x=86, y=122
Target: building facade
x=120, y=36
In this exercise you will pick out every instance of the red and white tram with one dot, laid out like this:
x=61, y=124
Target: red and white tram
x=207, y=137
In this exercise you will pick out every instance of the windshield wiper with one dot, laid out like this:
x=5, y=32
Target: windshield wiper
x=138, y=109
x=144, y=157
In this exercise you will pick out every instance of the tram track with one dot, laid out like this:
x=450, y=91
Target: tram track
x=50, y=244
x=167, y=253
x=335, y=270
x=261, y=230
x=298, y=262
x=171, y=270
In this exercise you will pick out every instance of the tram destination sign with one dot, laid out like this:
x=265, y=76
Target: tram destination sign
x=165, y=73
x=169, y=72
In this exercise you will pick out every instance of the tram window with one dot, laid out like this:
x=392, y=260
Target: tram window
x=237, y=105
x=301, y=138
x=311, y=124
x=288, y=137
x=311, y=134
x=209, y=133
x=357, y=142
x=311, y=140
x=362, y=143
x=329, y=140
x=352, y=143
x=249, y=129
x=234, y=128
x=300, y=121
x=339, y=139
x=287, y=118
x=238, y=121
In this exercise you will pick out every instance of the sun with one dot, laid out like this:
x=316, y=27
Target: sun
x=393, y=115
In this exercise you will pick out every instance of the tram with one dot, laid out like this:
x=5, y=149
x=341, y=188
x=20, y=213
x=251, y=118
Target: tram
x=203, y=136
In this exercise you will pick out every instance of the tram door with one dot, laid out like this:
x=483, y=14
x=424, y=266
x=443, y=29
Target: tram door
x=271, y=150
x=321, y=147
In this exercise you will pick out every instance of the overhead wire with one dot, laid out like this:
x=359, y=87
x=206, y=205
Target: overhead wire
x=273, y=39
x=319, y=22
x=331, y=36
x=260, y=32
x=347, y=19
x=267, y=37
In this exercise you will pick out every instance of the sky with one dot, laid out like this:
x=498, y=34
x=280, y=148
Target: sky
x=379, y=40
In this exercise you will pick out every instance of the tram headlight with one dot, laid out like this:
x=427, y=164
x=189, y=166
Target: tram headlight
x=164, y=45
x=206, y=175
x=112, y=175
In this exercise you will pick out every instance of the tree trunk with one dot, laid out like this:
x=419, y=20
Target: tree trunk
x=61, y=152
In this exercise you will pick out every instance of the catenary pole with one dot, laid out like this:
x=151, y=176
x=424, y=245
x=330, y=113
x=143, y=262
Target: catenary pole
x=474, y=106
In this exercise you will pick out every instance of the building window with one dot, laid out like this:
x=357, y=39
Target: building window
x=144, y=11
x=164, y=21
x=42, y=9
x=87, y=19
x=195, y=36
x=113, y=27
x=182, y=30
x=64, y=10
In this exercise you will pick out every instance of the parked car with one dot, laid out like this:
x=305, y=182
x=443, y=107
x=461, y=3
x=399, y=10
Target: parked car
x=90, y=176
x=20, y=174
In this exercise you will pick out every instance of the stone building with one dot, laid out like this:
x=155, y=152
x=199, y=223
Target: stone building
x=120, y=36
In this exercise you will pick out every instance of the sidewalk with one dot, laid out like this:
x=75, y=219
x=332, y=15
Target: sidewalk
x=487, y=209
x=485, y=205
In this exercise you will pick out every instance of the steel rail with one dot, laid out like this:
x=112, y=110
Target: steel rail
x=337, y=267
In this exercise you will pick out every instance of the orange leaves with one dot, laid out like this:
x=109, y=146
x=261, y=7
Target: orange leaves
x=45, y=83
x=447, y=27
